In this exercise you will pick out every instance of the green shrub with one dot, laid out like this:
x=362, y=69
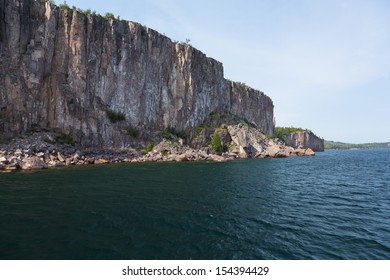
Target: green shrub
x=170, y=133
x=65, y=139
x=109, y=16
x=250, y=124
x=147, y=149
x=115, y=116
x=64, y=6
x=85, y=12
x=133, y=132
x=144, y=31
x=47, y=1
x=216, y=142
x=225, y=148
x=48, y=140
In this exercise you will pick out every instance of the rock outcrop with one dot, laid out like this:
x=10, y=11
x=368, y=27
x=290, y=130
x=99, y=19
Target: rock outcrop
x=306, y=139
x=249, y=142
x=38, y=151
x=62, y=69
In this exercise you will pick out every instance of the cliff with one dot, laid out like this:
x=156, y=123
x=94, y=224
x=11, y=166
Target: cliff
x=305, y=139
x=62, y=69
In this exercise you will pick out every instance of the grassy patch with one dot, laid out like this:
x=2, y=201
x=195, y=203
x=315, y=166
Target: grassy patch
x=63, y=138
x=115, y=116
x=147, y=149
x=170, y=133
x=133, y=132
x=216, y=142
x=48, y=140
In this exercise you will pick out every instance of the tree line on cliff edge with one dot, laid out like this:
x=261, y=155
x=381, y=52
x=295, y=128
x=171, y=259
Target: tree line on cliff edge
x=65, y=6
x=281, y=132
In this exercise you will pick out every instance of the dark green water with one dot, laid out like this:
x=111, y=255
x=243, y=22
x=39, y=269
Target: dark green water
x=335, y=205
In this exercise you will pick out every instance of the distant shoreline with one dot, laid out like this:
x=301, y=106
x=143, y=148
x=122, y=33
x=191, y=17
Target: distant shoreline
x=333, y=145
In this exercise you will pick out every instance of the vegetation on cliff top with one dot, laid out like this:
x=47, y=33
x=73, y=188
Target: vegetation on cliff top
x=87, y=12
x=282, y=132
x=47, y=1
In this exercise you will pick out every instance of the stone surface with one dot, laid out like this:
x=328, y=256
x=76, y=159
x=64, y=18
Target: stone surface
x=245, y=139
x=217, y=158
x=309, y=152
x=62, y=69
x=60, y=157
x=305, y=140
x=32, y=163
x=181, y=158
x=101, y=161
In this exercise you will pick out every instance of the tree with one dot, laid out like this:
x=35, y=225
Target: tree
x=216, y=142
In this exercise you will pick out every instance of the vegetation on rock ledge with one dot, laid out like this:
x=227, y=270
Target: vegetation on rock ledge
x=133, y=132
x=115, y=116
x=170, y=133
x=216, y=142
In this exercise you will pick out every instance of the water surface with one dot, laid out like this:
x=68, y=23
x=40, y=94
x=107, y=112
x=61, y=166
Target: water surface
x=335, y=205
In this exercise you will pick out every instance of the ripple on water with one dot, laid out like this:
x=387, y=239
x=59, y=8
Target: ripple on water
x=332, y=206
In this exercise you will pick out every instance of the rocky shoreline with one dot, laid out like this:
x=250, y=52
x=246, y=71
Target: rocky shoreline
x=37, y=151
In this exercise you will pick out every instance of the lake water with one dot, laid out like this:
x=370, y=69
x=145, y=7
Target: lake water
x=335, y=205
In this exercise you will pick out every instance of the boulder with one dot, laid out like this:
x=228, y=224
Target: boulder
x=273, y=151
x=299, y=152
x=182, y=157
x=40, y=154
x=69, y=161
x=60, y=157
x=9, y=168
x=242, y=152
x=55, y=163
x=309, y=152
x=217, y=158
x=101, y=161
x=32, y=164
x=89, y=160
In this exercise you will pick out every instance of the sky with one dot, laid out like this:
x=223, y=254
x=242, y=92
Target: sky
x=325, y=64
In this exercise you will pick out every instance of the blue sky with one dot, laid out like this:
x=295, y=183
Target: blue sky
x=325, y=64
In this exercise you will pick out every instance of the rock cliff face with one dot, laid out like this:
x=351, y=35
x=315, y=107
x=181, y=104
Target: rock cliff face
x=63, y=69
x=305, y=140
